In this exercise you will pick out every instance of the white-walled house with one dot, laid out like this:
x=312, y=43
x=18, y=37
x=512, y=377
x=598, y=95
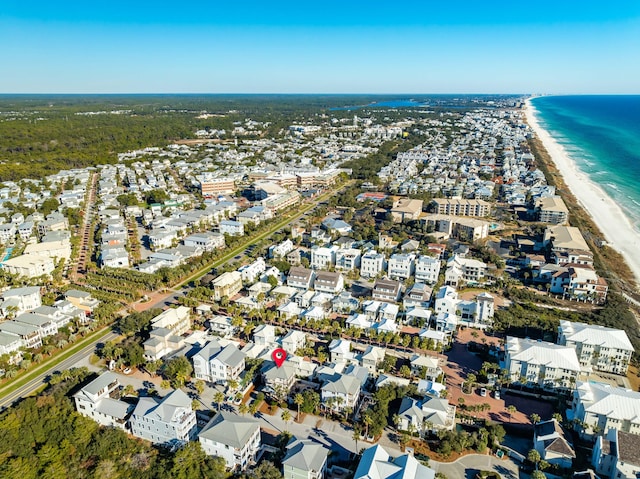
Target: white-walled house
x=427, y=269
x=95, y=401
x=217, y=364
x=234, y=438
x=166, y=420
x=372, y=264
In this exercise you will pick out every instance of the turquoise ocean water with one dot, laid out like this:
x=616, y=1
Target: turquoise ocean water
x=602, y=135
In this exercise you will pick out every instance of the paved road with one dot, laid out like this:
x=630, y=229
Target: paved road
x=40, y=380
x=467, y=466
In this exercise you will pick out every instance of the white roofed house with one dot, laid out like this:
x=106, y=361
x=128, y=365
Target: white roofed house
x=47, y=326
x=427, y=269
x=98, y=401
x=265, y=335
x=401, y=266
x=177, y=320
x=545, y=364
x=305, y=459
x=466, y=270
x=217, y=364
x=372, y=357
x=348, y=259
x=425, y=367
x=164, y=421
x=340, y=392
x=293, y=341
x=208, y=241
x=323, y=258
x=598, y=347
x=376, y=463
x=340, y=351
x=234, y=438
x=372, y=264
x=251, y=272
x=430, y=414
x=278, y=381
x=19, y=300
x=227, y=285
x=597, y=408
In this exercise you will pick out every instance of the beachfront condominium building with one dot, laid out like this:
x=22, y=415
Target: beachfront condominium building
x=427, y=269
x=164, y=421
x=597, y=347
x=234, y=438
x=598, y=407
x=539, y=362
x=461, y=207
x=551, y=209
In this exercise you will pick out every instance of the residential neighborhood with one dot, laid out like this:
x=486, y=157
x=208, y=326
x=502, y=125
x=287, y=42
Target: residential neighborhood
x=437, y=308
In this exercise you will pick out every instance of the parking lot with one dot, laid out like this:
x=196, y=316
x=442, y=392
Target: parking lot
x=461, y=362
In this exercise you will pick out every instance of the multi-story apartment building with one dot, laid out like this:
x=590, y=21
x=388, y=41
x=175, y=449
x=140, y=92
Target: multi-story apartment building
x=599, y=407
x=545, y=364
x=551, y=209
x=427, y=269
x=232, y=228
x=211, y=187
x=597, y=347
x=462, y=207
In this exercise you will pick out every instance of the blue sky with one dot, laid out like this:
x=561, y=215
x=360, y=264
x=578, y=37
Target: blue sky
x=319, y=47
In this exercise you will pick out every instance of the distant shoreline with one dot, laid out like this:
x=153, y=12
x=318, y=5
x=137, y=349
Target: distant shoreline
x=605, y=213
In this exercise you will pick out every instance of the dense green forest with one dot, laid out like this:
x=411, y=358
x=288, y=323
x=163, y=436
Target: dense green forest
x=40, y=135
x=44, y=438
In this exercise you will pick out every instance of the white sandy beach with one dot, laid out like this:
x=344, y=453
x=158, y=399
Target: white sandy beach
x=606, y=214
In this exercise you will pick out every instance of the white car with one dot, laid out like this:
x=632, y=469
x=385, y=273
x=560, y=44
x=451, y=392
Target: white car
x=496, y=394
x=127, y=371
x=483, y=392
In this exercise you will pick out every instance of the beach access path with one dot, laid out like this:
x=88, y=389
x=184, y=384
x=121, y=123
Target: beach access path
x=605, y=212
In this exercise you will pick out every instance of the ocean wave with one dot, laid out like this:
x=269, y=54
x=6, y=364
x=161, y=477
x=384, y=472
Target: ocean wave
x=612, y=186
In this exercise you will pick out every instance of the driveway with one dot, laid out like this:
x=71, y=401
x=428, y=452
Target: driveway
x=467, y=466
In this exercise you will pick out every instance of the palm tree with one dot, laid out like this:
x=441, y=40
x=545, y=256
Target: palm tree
x=286, y=416
x=298, y=400
x=243, y=409
x=356, y=435
x=218, y=398
x=534, y=418
x=511, y=409
x=253, y=408
x=368, y=420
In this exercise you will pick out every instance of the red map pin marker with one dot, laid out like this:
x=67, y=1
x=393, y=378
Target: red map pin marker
x=279, y=355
